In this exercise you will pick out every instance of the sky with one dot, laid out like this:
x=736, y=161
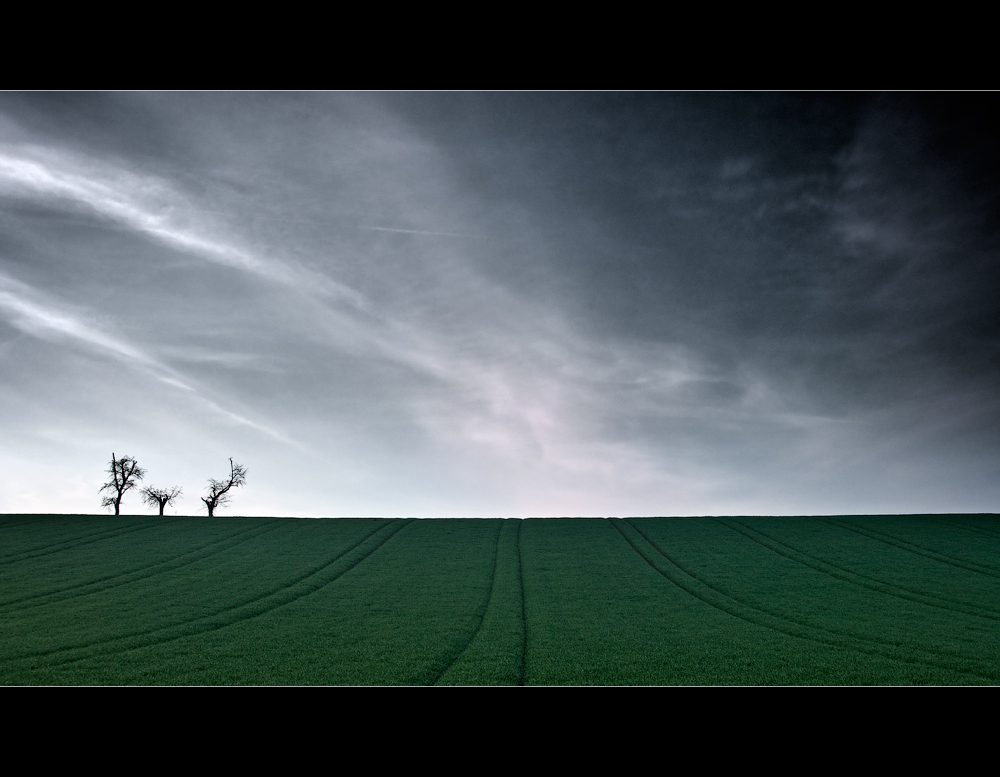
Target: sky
x=503, y=304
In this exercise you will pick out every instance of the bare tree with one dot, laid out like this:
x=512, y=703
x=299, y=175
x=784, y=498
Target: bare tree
x=218, y=490
x=160, y=496
x=125, y=475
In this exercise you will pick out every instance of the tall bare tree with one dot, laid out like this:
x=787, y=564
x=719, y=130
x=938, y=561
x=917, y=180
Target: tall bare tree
x=160, y=496
x=218, y=490
x=125, y=475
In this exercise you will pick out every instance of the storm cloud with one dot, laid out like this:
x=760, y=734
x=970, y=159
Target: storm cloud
x=503, y=304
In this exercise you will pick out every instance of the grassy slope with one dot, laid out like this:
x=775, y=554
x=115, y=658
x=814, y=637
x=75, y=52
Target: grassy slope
x=848, y=600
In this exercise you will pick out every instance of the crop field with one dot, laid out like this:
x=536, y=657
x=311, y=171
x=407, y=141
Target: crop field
x=838, y=600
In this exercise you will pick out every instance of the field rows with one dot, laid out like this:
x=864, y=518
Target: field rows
x=834, y=600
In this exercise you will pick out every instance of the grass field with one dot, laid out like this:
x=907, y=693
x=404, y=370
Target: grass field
x=893, y=600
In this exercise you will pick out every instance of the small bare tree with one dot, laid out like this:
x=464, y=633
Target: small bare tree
x=160, y=496
x=218, y=490
x=125, y=475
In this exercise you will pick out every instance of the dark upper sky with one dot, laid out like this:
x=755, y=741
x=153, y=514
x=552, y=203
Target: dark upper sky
x=479, y=304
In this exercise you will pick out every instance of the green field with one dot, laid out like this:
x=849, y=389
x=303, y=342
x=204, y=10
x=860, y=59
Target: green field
x=852, y=600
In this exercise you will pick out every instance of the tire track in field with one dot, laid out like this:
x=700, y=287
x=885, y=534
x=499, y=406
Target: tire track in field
x=966, y=527
x=496, y=655
x=304, y=585
x=856, y=578
x=481, y=616
x=30, y=520
x=76, y=542
x=919, y=550
x=524, y=616
x=74, y=535
x=788, y=626
x=139, y=573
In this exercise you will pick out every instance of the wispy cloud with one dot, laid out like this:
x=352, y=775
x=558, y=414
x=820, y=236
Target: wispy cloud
x=152, y=207
x=39, y=316
x=416, y=232
x=226, y=359
x=533, y=388
x=27, y=311
x=155, y=208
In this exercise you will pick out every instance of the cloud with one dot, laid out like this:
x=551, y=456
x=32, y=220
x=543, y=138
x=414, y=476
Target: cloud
x=40, y=317
x=27, y=311
x=416, y=232
x=226, y=359
x=153, y=207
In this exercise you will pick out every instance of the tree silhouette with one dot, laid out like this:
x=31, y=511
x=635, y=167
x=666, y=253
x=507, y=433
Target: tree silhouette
x=218, y=490
x=125, y=475
x=160, y=496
